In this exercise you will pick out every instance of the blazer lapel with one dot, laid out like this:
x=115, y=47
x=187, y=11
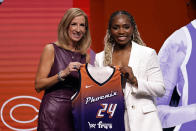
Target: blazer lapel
x=131, y=64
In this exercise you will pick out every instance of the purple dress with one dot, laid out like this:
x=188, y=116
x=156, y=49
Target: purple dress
x=55, y=112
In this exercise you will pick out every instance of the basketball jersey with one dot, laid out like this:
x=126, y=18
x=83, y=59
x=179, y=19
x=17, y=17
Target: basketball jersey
x=190, y=67
x=99, y=106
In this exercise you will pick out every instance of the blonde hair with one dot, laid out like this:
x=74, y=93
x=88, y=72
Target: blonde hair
x=64, y=24
x=109, y=42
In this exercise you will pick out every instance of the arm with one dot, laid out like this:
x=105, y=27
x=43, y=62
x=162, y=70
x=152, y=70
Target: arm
x=46, y=61
x=172, y=116
x=42, y=81
x=171, y=56
x=153, y=85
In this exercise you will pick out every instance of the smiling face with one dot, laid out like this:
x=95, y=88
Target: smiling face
x=77, y=29
x=121, y=29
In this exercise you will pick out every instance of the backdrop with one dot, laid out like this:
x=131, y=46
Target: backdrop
x=27, y=26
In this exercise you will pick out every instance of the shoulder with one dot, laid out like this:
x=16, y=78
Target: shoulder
x=143, y=50
x=178, y=41
x=178, y=37
x=48, y=49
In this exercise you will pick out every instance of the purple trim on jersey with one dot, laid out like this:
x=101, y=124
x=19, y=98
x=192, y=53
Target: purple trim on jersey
x=191, y=71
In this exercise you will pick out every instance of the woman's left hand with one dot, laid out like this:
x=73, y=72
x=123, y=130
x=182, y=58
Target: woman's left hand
x=128, y=74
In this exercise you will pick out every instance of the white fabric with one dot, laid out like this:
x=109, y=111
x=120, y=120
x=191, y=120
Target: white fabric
x=141, y=109
x=100, y=74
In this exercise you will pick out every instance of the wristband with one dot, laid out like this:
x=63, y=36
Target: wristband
x=60, y=77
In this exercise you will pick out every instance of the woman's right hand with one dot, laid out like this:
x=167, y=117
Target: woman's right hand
x=73, y=66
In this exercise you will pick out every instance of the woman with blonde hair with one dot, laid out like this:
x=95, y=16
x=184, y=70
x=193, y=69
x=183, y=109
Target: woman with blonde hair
x=140, y=67
x=57, y=71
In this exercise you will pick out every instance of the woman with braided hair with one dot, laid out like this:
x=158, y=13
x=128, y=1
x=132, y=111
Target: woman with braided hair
x=140, y=67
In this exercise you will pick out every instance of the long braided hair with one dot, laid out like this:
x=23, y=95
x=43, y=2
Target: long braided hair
x=109, y=42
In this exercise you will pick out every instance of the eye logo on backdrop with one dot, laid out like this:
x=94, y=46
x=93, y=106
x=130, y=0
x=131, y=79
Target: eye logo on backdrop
x=19, y=112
